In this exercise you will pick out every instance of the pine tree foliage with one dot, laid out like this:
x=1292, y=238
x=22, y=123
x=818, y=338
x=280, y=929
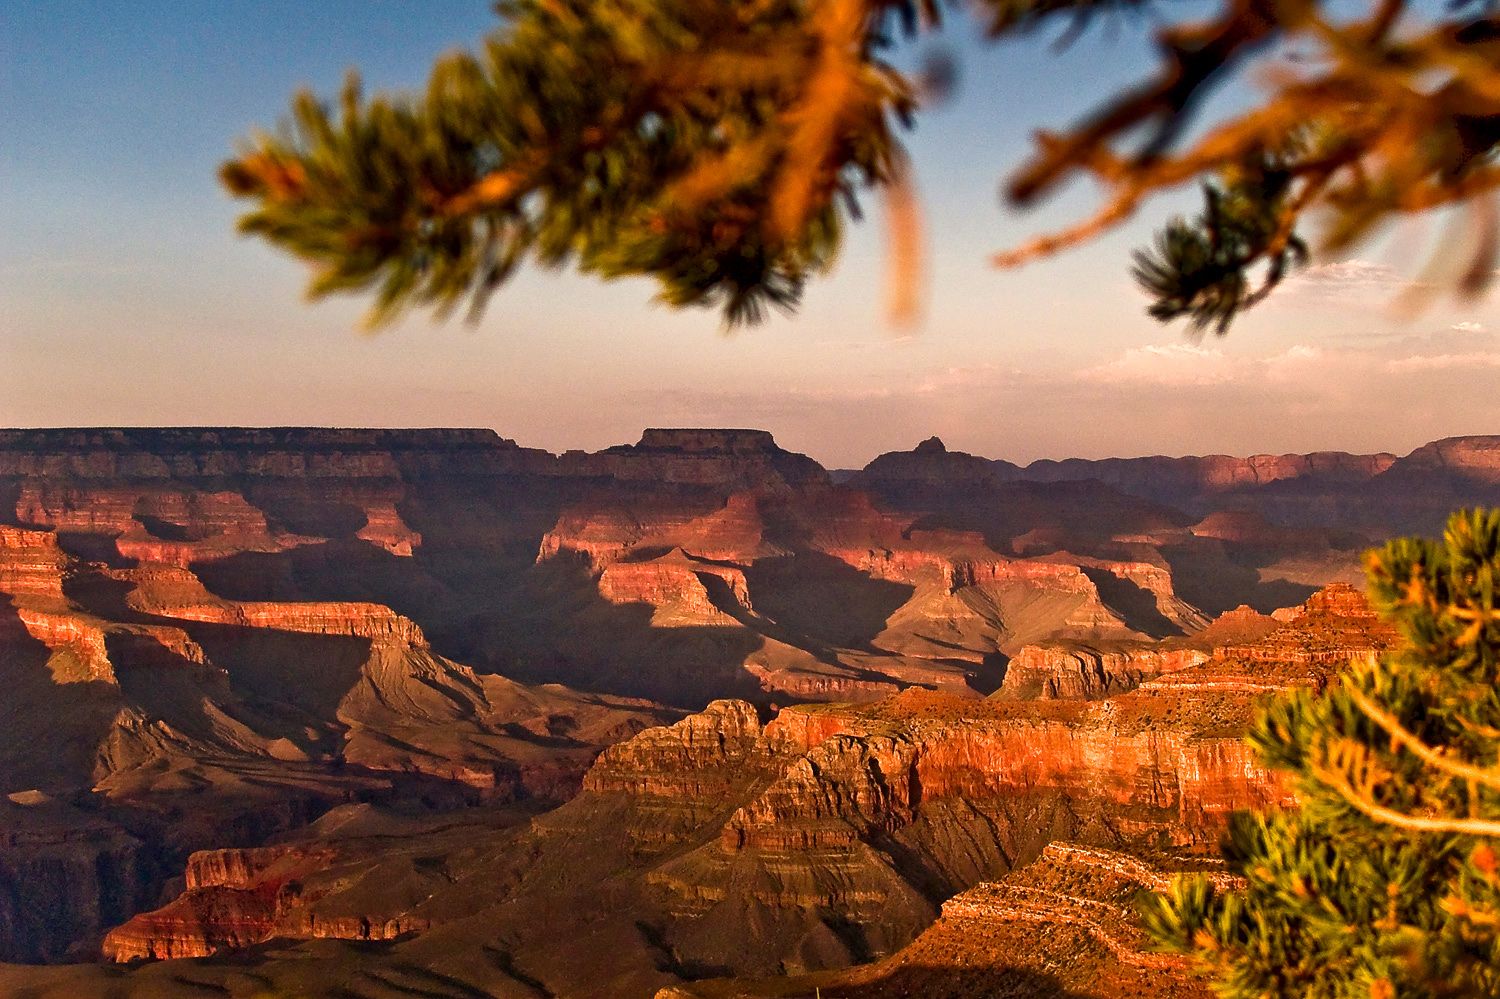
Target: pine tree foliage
x=1199, y=270
x=721, y=147
x=717, y=147
x=1385, y=881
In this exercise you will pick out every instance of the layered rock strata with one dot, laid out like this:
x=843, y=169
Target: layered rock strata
x=1065, y=924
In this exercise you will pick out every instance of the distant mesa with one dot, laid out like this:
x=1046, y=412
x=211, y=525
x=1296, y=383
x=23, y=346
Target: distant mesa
x=732, y=441
x=932, y=445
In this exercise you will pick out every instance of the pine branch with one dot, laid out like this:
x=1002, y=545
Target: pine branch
x=1402, y=736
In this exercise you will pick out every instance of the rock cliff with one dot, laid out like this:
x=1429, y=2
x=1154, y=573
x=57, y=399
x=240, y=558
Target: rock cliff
x=1068, y=670
x=1064, y=925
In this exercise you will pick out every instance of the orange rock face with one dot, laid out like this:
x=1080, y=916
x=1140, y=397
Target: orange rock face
x=1066, y=924
x=675, y=584
x=180, y=595
x=31, y=564
x=1476, y=458
x=234, y=899
x=1333, y=626
x=1055, y=670
x=1214, y=473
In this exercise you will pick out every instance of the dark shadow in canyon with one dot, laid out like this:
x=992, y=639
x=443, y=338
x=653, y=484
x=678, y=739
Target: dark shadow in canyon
x=1206, y=577
x=87, y=546
x=561, y=630
x=10, y=498
x=990, y=675
x=824, y=598
x=1134, y=603
x=103, y=596
x=531, y=622
x=37, y=750
x=275, y=670
x=312, y=516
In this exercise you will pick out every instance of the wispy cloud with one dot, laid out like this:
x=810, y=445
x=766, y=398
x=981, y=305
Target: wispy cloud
x=1165, y=364
x=1349, y=274
x=1443, y=362
x=1344, y=283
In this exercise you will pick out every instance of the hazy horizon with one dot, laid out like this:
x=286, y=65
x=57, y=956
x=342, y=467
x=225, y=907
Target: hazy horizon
x=634, y=438
x=126, y=298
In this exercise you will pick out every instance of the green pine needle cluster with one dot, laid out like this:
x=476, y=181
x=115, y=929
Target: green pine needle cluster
x=1202, y=270
x=626, y=137
x=1385, y=881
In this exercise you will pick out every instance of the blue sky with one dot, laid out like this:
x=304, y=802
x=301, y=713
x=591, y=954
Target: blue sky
x=126, y=298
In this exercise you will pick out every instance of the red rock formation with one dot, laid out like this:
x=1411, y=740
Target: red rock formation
x=864, y=816
x=1169, y=477
x=31, y=564
x=384, y=527
x=1066, y=922
x=721, y=459
x=178, y=593
x=693, y=758
x=872, y=778
x=1310, y=644
x=1067, y=670
x=673, y=584
x=304, y=601
x=605, y=533
x=233, y=899
x=1476, y=458
x=1333, y=626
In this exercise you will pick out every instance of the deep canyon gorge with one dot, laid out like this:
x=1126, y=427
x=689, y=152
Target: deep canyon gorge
x=380, y=713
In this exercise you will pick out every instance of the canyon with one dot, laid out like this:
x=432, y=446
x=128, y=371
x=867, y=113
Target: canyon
x=429, y=712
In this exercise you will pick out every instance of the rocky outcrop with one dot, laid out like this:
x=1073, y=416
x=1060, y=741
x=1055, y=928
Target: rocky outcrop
x=1473, y=458
x=680, y=777
x=384, y=527
x=1310, y=643
x=232, y=898
x=601, y=533
x=1176, y=479
x=1335, y=625
x=1060, y=670
x=931, y=463
x=674, y=583
x=720, y=459
x=180, y=595
x=31, y=564
x=1065, y=924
